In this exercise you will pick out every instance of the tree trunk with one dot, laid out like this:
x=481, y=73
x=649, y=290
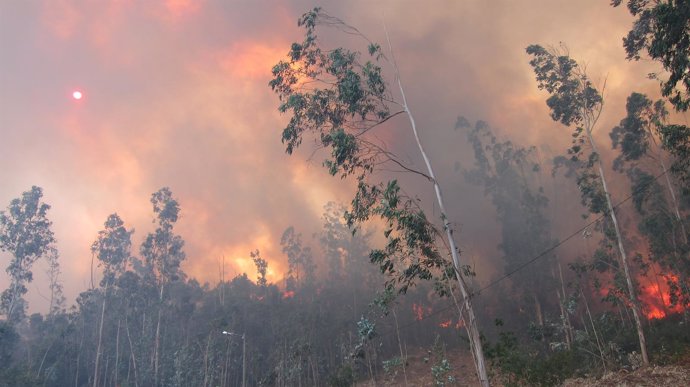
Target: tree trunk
x=131, y=353
x=564, y=310
x=403, y=358
x=117, y=351
x=472, y=328
x=624, y=258
x=594, y=329
x=100, y=337
x=156, y=354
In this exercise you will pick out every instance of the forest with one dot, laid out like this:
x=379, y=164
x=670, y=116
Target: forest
x=589, y=275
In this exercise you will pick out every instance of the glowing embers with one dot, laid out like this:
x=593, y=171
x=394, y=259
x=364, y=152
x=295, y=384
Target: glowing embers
x=449, y=324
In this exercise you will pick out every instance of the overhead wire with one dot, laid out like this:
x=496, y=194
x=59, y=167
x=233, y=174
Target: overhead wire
x=535, y=258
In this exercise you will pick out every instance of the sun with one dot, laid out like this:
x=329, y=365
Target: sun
x=77, y=95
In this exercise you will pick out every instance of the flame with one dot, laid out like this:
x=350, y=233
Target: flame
x=445, y=324
x=656, y=299
x=418, y=311
x=288, y=294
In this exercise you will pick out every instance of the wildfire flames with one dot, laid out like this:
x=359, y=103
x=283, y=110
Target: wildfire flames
x=288, y=294
x=419, y=311
x=448, y=323
x=656, y=299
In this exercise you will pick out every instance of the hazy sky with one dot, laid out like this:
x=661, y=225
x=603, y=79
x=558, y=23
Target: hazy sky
x=175, y=94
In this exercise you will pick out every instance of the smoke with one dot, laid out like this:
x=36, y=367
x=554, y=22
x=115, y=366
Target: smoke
x=175, y=94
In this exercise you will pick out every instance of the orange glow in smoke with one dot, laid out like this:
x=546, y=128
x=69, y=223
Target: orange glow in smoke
x=419, y=311
x=656, y=300
x=288, y=294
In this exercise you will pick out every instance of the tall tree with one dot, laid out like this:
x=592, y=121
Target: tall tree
x=662, y=29
x=57, y=298
x=300, y=260
x=333, y=95
x=575, y=101
x=25, y=233
x=510, y=177
x=112, y=249
x=662, y=219
x=261, y=268
x=163, y=253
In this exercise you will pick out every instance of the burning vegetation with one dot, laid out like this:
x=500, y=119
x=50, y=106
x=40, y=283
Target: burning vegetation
x=383, y=283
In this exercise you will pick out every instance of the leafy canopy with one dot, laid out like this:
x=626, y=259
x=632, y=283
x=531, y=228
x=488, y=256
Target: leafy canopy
x=338, y=96
x=662, y=29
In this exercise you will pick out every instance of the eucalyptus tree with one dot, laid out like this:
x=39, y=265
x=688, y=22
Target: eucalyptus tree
x=261, y=268
x=344, y=250
x=662, y=219
x=662, y=30
x=636, y=136
x=57, y=297
x=510, y=177
x=574, y=101
x=301, y=266
x=25, y=232
x=163, y=253
x=112, y=249
x=341, y=98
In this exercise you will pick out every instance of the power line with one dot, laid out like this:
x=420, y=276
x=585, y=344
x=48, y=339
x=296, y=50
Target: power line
x=538, y=256
x=581, y=229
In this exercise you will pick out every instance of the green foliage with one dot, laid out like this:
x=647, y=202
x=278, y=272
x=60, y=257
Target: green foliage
x=662, y=30
x=343, y=377
x=573, y=101
x=441, y=370
x=676, y=140
x=391, y=366
x=334, y=97
x=300, y=260
x=410, y=253
x=112, y=248
x=572, y=93
x=261, y=267
x=633, y=133
x=162, y=250
x=510, y=177
x=522, y=366
x=25, y=232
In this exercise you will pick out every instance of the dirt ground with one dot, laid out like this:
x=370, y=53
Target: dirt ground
x=654, y=376
x=419, y=374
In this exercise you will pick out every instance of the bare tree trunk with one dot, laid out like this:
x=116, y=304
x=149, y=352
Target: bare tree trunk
x=100, y=337
x=669, y=187
x=594, y=328
x=624, y=258
x=81, y=344
x=131, y=354
x=156, y=354
x=403, y=358
x=564, y=310
x=564, y=319
x=206, y=360
x=472, y=328
x=117, y=351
